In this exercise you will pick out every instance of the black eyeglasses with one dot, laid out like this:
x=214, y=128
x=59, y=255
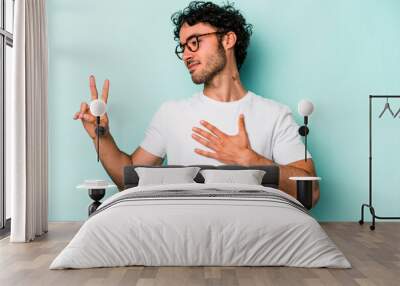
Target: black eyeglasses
x=192, y=43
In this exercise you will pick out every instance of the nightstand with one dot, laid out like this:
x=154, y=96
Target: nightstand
x=304, y=189
x=96, y=190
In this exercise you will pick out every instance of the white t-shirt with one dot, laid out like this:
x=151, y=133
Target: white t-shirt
x=272, y=131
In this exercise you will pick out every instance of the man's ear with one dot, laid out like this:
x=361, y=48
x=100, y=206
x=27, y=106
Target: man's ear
x=229, y=40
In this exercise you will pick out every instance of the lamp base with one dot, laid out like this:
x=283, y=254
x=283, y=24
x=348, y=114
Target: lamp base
x=304, y=193
x=305, y=190
x=96, y=195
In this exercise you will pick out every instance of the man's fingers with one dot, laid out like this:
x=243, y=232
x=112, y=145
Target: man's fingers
x=104, y=119
x=213, y=129
x=242, y=125
x=204, y=142
x=89, y=118
x=106, y=87
x=207, y=135
x=84, y=114
x=215, y=156
x=206, y=154
x=84, y=107
x=93, y=89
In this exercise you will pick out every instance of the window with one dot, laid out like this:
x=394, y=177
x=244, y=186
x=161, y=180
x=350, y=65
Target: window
x=6, y=45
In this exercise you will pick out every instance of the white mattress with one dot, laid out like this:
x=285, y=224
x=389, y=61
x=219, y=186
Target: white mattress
x=190, y=230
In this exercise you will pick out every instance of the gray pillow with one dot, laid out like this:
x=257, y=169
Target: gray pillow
x=249, y=177
x=162, y=176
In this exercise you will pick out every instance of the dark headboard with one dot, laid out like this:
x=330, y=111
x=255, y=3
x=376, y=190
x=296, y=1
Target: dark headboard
x=270, y=179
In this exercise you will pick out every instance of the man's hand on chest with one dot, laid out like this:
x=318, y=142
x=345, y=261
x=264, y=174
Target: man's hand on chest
x=228, y=149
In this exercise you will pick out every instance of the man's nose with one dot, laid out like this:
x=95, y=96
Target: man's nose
x=187, y=54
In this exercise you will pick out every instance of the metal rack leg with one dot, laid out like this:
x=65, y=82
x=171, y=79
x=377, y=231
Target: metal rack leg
x=374, y=216
x=372, y=210
x=361, y=221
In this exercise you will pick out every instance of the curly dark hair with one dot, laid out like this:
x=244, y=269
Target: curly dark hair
x=225, y=18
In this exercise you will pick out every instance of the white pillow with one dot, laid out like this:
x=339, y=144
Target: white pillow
x=249, y=177
x=162, y=176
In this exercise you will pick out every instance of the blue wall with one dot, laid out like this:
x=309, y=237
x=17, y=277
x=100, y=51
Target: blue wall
x=334, y=53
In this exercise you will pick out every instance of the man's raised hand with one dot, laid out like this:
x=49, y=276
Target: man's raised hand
x=84, y=114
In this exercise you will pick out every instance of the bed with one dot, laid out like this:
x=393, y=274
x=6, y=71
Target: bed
x=199, y=224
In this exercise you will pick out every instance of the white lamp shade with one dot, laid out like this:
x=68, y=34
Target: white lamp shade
x=305, y=107
x=98, y=107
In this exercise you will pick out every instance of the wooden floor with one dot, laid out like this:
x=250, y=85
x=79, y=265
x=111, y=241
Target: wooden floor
x=374, y=255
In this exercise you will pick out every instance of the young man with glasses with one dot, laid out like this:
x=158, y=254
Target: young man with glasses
x=223, y=124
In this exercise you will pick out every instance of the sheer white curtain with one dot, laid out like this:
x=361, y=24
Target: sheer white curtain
x=26, y=123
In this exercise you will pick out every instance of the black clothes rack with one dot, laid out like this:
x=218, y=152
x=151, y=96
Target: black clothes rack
x=369, y=205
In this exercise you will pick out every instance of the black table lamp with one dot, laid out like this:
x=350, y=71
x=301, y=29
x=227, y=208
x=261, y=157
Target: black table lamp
x=304, y=184
x=98, y=108
x=305, y=109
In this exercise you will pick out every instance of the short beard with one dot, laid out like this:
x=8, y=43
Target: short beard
x=215, y=64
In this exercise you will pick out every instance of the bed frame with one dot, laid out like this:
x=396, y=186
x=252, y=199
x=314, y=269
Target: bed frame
x=270, y=179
